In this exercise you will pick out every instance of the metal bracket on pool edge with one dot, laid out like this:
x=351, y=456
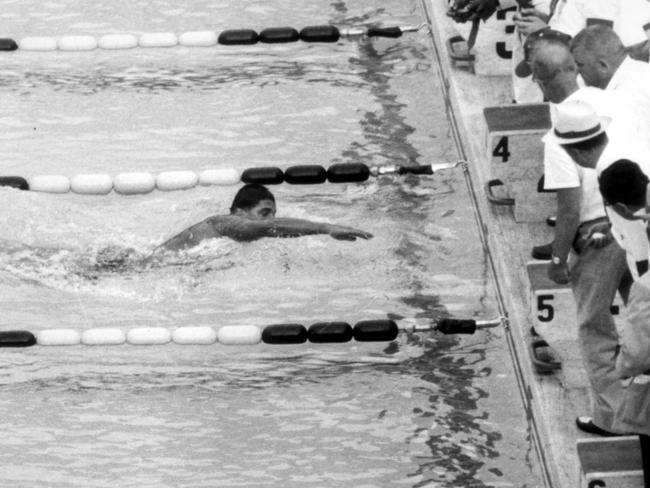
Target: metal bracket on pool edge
x=457, y=326
x=418, y=169
x=444, y=166
x=413, y=28
x=380, y=30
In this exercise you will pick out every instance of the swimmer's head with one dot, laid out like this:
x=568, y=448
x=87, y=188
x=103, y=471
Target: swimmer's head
x=254, y=202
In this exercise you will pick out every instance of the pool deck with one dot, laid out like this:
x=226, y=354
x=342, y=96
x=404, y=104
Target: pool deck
x=551, y=406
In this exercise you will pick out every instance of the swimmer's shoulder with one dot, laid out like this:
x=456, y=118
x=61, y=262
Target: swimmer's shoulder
x=206, y=229
x=231, y=226
x=237, y=228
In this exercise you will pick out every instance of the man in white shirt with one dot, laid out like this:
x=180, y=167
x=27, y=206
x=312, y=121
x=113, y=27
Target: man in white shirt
x=633, y=27
x=593, y=254
x=603, y=62
x=624, y=186
x=598, y=151
x=569, y=16
x=630, y=19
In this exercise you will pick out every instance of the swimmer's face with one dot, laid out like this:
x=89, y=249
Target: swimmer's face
x=264, y=210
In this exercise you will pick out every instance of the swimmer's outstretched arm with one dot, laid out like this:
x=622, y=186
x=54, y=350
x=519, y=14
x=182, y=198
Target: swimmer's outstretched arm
x=285, y=227
x=242, y=229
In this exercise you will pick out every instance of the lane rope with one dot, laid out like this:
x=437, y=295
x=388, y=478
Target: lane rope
x=291, y=333
x=142, y=182
x=273, y=35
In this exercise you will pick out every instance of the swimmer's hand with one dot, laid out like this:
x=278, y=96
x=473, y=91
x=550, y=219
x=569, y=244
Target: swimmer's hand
x=342, y=233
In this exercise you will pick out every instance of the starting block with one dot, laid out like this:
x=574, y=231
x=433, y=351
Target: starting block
x=553, y=312
x=513, y=141
x=612, y=462
x=492, y=53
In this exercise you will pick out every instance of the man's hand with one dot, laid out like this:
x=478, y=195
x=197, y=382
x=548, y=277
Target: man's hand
x=559, y=273
x=599, y=235
x=483, y=8
x=469, y=10
x=343, y=233
x=529, y=20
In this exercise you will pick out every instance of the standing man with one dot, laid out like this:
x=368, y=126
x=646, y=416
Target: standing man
x=624, y=185
x=585, y=136
x=580, y=232
x=598, y=149
x=604, y=63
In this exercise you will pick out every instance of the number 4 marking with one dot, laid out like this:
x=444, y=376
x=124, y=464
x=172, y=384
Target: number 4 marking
x=501, y=149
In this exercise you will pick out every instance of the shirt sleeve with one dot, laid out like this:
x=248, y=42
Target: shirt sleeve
x=559, y=169
x=574, y=15
x=632, y=22
x=567, y=18
x=506, y=4
x=600, y=11
x=644, y=15
x=543, y=6
x=632, y=237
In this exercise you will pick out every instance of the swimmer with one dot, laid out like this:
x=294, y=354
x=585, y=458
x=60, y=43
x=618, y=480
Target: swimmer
x=252, y=216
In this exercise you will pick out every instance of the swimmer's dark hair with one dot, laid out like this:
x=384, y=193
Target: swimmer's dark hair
x=623, y=182
x=250, y=195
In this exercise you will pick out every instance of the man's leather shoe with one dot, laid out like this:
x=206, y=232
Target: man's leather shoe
x=543, y=252
x=586, y=424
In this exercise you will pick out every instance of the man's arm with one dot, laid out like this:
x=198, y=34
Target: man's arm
x=286, y=227
x=190, y=237
x=243, y=229
x=566, y=226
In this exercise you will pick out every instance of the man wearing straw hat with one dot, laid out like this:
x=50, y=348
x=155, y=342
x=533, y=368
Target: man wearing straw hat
x=583, y=134
x=595, y=147
x=581, y=214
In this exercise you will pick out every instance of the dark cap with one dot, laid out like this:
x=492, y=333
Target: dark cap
x=522, y=70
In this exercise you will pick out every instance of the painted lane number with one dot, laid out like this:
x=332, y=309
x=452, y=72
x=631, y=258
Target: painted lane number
x=502, y=51
x=596, y=483
x=501, y=150
x=545, y=310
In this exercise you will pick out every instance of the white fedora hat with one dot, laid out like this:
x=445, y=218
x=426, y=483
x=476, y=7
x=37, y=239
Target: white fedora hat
x=575, y=121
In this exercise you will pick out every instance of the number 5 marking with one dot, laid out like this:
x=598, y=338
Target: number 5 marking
x=545, y=310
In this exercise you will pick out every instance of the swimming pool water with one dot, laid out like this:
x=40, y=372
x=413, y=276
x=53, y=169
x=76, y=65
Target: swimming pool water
x=424, y=411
